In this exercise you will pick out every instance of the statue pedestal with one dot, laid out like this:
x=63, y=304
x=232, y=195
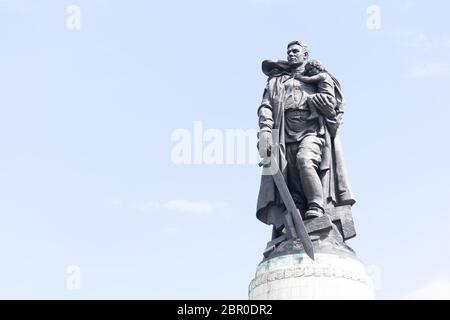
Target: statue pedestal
x=297, y=277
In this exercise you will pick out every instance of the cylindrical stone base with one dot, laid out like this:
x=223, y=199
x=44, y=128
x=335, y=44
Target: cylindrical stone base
x=296, y=276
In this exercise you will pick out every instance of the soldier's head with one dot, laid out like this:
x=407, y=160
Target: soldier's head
x=297, y=53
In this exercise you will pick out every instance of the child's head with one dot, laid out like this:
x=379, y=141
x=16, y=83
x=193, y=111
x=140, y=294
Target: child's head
x=314, y=67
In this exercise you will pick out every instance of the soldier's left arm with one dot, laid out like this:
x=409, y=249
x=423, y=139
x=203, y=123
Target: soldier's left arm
x=325, y=104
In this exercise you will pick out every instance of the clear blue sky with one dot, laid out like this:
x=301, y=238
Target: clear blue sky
x=86, y=175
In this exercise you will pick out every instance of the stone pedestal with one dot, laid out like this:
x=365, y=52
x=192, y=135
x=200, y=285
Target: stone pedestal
x=297, y=277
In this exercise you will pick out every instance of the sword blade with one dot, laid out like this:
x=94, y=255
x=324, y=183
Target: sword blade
x=300, y=229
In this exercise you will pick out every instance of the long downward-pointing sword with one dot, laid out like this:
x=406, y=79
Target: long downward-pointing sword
x=289, y=203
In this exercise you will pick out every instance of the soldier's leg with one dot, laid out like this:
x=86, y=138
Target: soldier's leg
x=293, y=177
x=309, y=156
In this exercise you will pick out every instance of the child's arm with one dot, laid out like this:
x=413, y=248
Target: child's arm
x=312, y=79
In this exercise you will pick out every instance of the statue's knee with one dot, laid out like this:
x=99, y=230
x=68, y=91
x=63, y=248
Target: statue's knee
x=304, y=162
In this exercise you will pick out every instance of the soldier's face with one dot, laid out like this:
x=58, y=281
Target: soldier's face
x=296, y=55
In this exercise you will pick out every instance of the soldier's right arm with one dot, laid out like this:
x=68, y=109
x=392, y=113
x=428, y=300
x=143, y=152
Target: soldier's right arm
x=265, y=125
x=265, y=112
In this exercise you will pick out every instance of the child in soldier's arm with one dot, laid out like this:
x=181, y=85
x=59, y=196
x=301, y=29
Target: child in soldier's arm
x=315, y=73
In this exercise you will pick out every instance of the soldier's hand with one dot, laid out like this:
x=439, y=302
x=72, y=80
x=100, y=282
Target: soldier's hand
x=319, y=100
x=324, y=103
x=264, y=144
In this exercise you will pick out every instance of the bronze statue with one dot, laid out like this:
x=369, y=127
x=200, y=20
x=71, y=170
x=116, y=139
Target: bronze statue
x=299, y=119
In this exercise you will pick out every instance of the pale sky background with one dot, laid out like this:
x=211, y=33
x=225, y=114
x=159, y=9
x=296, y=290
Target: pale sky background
x=86, y=175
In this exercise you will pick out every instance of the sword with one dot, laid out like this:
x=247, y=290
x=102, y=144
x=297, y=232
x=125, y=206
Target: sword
x=289, y=203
